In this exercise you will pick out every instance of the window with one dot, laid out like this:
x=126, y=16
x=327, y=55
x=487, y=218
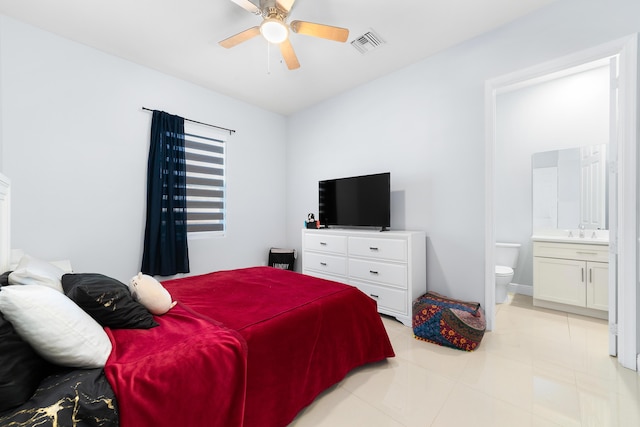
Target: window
x=205, y=158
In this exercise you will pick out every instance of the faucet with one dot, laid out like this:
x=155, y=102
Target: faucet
x=582, y=231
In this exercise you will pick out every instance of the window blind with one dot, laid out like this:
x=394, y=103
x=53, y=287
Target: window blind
x=205, y=161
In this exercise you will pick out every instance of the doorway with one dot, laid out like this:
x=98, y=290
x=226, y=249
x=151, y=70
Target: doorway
x=623, y=221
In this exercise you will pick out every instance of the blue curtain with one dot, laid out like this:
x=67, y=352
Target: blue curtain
x=165, y=235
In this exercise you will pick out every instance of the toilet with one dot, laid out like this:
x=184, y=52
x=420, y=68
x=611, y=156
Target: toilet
x=506, y=260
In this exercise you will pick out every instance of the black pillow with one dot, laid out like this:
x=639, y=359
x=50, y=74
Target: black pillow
x=21, y=368
x=4, y=278
x=107, y=300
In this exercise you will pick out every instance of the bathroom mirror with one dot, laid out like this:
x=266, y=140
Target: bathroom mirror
x=569, y=188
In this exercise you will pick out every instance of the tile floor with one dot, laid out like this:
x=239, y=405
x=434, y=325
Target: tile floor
x=538, y=368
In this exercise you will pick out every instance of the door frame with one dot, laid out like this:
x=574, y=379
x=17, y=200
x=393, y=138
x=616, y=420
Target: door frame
x=625, y=240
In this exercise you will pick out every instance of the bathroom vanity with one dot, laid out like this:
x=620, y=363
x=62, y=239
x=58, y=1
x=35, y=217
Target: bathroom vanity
x=571, y=266
x=571, y=274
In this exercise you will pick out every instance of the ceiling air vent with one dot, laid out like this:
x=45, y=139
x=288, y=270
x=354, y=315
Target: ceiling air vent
x=367, y=42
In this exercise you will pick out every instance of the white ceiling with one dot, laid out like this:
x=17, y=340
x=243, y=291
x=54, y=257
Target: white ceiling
x=180, y=38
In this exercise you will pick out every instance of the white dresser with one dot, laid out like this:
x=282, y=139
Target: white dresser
x=388, y=266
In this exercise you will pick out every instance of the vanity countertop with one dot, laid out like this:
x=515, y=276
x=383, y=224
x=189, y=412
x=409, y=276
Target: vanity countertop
x=599, y=237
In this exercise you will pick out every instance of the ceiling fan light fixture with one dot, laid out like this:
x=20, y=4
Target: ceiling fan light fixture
x=274, y=30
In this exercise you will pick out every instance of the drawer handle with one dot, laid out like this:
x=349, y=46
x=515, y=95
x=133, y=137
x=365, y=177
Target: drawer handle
x=374, y=296
x=582, y=269
x=590, y=277
x=586, y=253
x=373, y=272
x=324, y=264
x=371, y=248
x=323, y=243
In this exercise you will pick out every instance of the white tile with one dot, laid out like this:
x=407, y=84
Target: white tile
x=468, y=407
x=406, y=392
x=537, y=421
x=339, y=408
x=558, y=352
x=538, y=368
x=501, y=378
x=610, y=401
x=511, y=345
x=445, y=361
x=556, y=400
x=538, y=323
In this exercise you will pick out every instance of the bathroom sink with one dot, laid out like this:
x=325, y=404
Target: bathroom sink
x=573, y=236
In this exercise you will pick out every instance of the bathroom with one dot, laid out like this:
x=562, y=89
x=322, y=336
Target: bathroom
x=536, y=124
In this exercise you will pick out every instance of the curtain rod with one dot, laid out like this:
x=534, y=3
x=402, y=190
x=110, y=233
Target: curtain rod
x=231, y=131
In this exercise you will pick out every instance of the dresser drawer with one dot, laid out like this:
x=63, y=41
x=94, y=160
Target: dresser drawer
x=326, y=243
x=387, y=298
x=599, y=253
x=389, y=267
x=321, y=275
x=390, y=249
x=325, y=263
x=381, y=272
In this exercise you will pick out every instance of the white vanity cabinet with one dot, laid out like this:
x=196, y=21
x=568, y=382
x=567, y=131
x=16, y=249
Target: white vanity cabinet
x=571, y=277
x=388, y=266
x=598, y=285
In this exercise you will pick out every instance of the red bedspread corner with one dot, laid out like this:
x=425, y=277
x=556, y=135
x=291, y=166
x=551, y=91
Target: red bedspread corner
x=188, y=371
x=304, y=334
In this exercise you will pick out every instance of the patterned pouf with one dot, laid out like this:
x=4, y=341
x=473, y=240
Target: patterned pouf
x=448, y=322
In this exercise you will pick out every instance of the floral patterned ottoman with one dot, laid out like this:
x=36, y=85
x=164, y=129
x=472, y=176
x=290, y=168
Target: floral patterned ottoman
x=448, y=322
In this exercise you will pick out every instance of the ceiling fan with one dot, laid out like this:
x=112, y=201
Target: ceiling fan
x=275, y=29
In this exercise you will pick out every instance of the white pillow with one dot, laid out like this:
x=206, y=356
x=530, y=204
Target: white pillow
x=59, y=330
x=64, y=265
x=32, y=271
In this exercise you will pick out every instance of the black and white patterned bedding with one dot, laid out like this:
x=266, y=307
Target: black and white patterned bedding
x=63, y=397
x=69, y=398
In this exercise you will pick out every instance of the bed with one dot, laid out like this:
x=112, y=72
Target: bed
x=248, y=347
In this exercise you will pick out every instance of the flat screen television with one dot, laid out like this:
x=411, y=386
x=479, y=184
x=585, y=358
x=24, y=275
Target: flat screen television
x=358, y=201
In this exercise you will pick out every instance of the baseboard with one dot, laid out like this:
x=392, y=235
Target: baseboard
x=516, y=288
x=567, y=308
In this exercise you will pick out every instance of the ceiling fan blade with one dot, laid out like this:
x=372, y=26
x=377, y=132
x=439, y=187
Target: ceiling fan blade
x=285, y=5
x=320, y=30
x=248, y=6
x=240, y=37
x=289, y=55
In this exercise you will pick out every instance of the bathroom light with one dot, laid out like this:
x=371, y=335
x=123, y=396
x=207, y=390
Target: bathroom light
x=274, y=30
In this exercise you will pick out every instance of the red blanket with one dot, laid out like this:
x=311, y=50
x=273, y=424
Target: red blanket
x=188, y=371
x=303, y=335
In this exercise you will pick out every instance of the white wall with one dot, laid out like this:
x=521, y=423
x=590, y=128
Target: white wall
x=75, y=144
x=425, y=124
x=568, y=112
x=79, y=189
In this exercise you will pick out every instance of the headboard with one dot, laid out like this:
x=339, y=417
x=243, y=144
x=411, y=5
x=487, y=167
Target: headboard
x=5, y=223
